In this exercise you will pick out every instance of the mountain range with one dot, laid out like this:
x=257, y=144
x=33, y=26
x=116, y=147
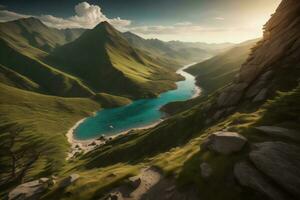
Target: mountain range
x=238, y=140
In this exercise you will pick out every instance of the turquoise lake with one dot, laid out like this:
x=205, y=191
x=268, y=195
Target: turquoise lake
x=137, y=114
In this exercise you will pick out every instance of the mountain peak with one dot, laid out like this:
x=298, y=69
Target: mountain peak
x=30, y=20
x=104, y=25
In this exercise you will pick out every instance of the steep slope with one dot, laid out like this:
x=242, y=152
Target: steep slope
x=182, y=54
x=14, y=79
x=104, y=60
x=22, y=45
x=33, y=128
x=218, y=71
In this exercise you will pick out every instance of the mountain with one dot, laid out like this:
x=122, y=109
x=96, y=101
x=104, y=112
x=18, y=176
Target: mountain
x=239, y=142
x=183, y=54
x=33, y=32
x=213, y=48
x=219, y=70
x=104, y=60
x=259, y=106
x=24, y=45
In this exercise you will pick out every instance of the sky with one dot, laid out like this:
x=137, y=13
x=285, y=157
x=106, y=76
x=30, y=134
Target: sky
x=212, y=21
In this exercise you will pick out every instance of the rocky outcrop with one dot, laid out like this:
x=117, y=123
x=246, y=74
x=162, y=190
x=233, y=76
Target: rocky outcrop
x=276, y=131
x=30, y=190
x=224, y=142
x=250, y=177
x=280, y=162
x=273, y=58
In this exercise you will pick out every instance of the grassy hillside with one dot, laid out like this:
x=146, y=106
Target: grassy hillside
x=33, y=128
x=218, y=71
x=14, y=79
x=266, y=96
x=102, y=56
x=33, y=32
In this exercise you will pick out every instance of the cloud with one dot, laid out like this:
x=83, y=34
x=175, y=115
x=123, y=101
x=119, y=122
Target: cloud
x=219, y=18
x=182, y=29
x=183, y=23
x=86, y=16
x=6, y=15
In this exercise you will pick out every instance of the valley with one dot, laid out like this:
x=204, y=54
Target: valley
x=100, y=112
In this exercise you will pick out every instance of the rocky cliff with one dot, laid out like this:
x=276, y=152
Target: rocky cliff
x=272, y=65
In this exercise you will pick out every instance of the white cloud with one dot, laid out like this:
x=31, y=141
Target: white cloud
x=192, y=33
x=219, y=18
x=86, y=16
x=6, y=15
x=183, y=24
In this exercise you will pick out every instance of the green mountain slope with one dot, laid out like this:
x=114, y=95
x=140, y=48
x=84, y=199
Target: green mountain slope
x=33, y=32
x=105, y=61
x=218, y=71
x=14, y=79
x=36, y=125
x=22, y=50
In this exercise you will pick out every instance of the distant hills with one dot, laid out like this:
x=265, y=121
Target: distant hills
x=182, y=52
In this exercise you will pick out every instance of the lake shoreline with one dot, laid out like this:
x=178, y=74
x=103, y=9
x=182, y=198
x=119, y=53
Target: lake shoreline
x=79, y=146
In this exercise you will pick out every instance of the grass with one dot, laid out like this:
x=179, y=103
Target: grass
x=218, y=71
x=40, y=123
x=102, y=56
x=175, y=149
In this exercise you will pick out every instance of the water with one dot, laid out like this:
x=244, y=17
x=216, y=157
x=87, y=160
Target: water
x=138, y=114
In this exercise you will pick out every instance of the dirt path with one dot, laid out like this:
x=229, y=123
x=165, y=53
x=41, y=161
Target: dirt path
x=150, y=185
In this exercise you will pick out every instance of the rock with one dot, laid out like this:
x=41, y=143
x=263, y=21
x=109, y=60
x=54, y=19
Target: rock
x=113, y=196
x=30, y=190
x=69, y=180
x=218, y=114
x=206, y=170
x=44, y=180
x=248, y=176
x=281, y=162
x=231, y=95
x=280, y=132
x=93, y=143
x=134, y=182
x=102, y=138
x=261, y=96
x=224, y=142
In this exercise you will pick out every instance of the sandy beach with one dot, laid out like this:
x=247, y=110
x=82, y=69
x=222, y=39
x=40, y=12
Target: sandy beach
x=79, y=146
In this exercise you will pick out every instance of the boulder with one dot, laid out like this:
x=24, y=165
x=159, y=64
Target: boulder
x=280, y=132
x=248, y=176
x=30, y=190
x=134, y=182
x=224, y=142
x=69, y=180
x=280, y=162
x=206, y=170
